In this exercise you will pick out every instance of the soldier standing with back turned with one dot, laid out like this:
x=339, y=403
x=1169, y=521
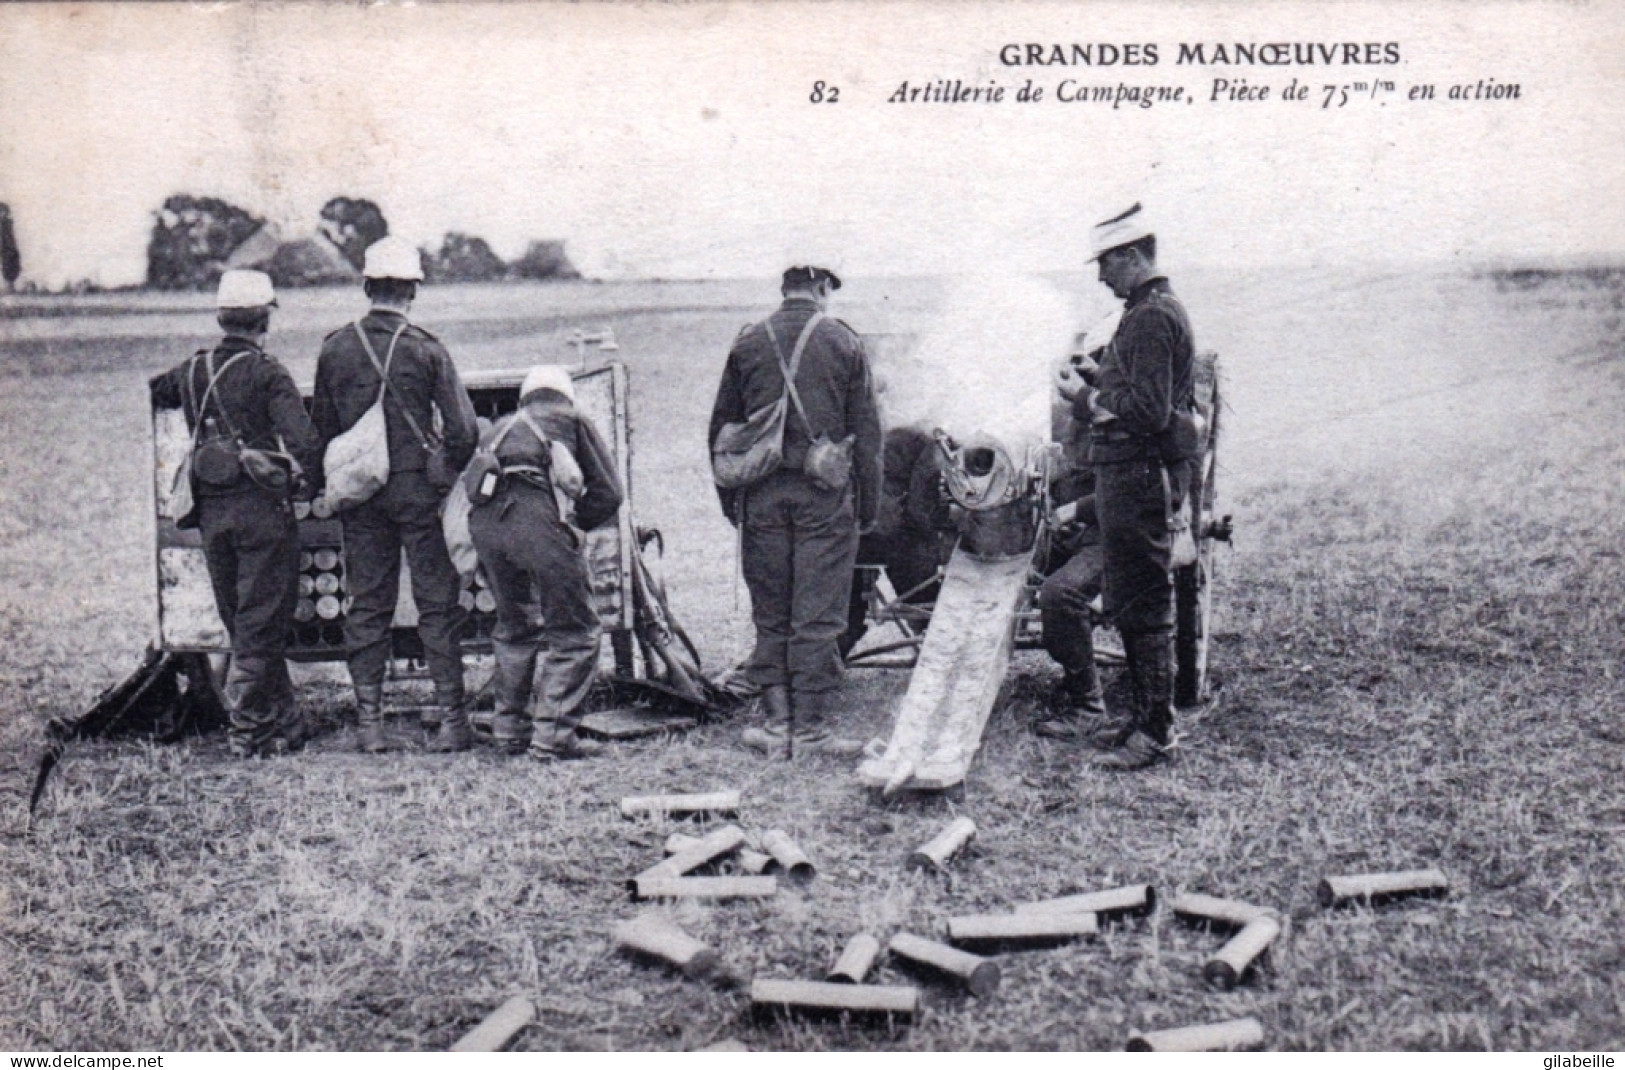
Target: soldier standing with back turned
x=236, y=395
x=799, y=537
x=1135, y=410
x=406, y=512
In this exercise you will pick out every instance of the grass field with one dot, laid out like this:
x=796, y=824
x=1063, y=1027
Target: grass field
x=1418, y=658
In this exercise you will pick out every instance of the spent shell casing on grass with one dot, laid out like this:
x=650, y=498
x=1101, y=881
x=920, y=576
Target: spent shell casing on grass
x=498, y=1027
x=1219, y=1036
x=754, y=862
x=1033, y=928
x=679, y=841
x=726, y=1044
x=824, y=996
x=978, y=974
x=708, y=848
x=787, y=856
x=1227, y=966
x=1201, y=909
x=712, y=803
x=1381, y=887
x=669, y=887
x=857, y=959
x=1129, y=899
x=657, y=936
x=944, y=845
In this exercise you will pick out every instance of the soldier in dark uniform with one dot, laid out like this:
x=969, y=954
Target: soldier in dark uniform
x=910, y=536
x=799, y=539
x=530, y=542
x=405, y=513
x=1144, y=389
x=243, y=397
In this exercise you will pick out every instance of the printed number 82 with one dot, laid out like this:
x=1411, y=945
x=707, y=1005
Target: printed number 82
x=824, y=94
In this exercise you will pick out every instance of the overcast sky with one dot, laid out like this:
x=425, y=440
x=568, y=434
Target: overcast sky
x=678, y=140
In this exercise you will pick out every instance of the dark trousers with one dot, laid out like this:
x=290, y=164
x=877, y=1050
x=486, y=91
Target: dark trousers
x=799, y=544
x=1134, y=500
x=911, y=559
x=539, y=577
x=1064, y=603
x=251, y=546
x=404, y=514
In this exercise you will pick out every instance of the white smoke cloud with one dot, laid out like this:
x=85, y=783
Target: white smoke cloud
x=985, y=362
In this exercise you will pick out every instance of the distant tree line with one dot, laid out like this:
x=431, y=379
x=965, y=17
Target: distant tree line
x=11, y=260
x=195, y=239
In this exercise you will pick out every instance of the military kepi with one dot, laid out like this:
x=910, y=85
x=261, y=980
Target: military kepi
x=801, y=278
x=245, y=289
x=1119, y=230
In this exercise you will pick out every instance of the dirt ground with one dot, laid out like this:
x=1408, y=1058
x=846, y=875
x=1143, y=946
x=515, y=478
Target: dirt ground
x=1417, y=656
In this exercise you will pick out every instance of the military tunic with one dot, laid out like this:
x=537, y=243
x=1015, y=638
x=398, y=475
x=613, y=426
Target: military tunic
x=250, y=539
x=799, y=540
x=405, y=513
x=537, y=565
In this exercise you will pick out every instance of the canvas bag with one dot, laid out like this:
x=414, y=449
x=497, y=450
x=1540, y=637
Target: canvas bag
x=750, y=451
x=182, y=502
x=357, y=462
x=828, y=464
x=437, y=468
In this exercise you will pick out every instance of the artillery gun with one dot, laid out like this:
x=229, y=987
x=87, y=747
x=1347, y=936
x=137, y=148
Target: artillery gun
x=987, y=606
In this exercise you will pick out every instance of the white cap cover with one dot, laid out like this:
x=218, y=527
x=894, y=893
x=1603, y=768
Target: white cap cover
x=393, y=258
x=1123, y=229
x=548, y=377
x=245, y=289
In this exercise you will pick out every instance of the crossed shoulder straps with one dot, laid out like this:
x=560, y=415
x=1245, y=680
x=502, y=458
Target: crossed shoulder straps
x=793, y=367
x=199, y=408
x=382, y=367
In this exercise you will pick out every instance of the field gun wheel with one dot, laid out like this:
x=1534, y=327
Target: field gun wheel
x=1193, y=584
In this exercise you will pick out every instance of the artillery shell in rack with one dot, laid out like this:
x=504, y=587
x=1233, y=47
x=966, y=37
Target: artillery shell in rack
x=944, y=845
x=856, y=960
x=1226, y=968
x=787, y=856
x=325, y=559
x=663, y=886
x=1129, y=899
x=707, y=848
x=715, y=803
x=1032, y=928
x=498, y=1027
x=1380, y=887
x=659, y=937
x=823, y=996
x=1209, y=909
x=1218, y=1036
x=979, y=975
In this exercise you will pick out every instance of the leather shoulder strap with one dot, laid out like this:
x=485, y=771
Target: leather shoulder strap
x=790, y=371
x=383, y=374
